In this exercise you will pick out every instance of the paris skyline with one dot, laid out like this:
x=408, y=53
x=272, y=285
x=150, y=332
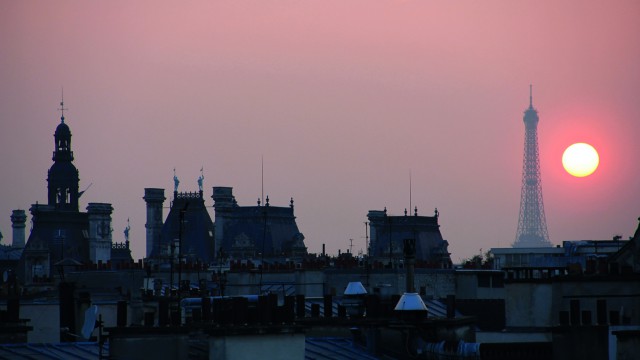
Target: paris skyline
x=343, y=101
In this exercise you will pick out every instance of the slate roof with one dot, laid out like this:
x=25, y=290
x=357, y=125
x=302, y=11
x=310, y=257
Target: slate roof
x=435, y=308
x=197, y=229
x=8, y=252
x=62, y=351
x=334, y=348
x=315, y=348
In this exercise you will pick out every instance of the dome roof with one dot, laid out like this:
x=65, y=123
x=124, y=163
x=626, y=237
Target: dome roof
x=63, y=170
x=63, y=130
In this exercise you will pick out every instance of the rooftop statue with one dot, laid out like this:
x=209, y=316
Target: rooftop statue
x=126, y=231
x=176, y=182
x=200, y=179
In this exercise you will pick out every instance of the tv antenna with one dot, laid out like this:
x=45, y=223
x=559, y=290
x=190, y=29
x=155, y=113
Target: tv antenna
x=409, y=189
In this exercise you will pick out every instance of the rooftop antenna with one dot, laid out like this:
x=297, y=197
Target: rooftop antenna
x=409, y=189
x=62, y=108
x=262, y=176
x=530, y=95
x=366, y=236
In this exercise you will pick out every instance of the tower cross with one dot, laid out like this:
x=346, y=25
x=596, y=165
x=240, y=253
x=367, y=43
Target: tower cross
x=62, y=108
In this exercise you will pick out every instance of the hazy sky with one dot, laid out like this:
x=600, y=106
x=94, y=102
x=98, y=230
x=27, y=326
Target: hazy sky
x=343, y=99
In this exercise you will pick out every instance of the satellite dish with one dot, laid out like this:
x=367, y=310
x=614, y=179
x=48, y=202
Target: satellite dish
x=89, y=321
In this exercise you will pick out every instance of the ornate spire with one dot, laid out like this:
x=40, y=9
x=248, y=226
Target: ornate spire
x=62, y=108
x=63, y=176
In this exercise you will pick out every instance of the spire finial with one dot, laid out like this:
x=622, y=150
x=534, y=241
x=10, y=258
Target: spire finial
x=530, y=95
x=62, y=108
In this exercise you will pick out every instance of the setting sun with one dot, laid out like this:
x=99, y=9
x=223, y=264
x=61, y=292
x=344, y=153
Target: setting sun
x=580, y=159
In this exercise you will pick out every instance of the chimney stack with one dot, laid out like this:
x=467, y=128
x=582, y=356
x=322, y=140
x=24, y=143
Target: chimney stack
x=18, y=220
x=154, y=199
x=410, y=261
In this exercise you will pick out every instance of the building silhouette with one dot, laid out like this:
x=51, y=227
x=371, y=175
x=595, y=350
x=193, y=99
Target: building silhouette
x=532, y=225
x=63, y=236
x=187, y=232
x=256, y=231
x=389, y=232
x=239, y=232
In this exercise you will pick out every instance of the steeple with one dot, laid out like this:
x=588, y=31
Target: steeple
x=63, y=176
x=62, y=109
x=62, y=139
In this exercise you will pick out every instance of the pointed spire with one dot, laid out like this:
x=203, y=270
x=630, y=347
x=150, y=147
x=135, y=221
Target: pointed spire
x=62, y=108
x=531, y=96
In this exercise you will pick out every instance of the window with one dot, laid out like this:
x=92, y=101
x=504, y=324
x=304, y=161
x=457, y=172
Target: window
x=497, y=281
x=484, y=280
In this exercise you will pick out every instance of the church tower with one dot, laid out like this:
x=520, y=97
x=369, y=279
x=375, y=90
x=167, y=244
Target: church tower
x=63, y=176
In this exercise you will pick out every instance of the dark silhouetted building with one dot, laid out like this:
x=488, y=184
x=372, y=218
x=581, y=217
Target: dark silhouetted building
x=61, y=234
x=388, y=234
x=239, y=232
x=188, y=230
x=252, y=231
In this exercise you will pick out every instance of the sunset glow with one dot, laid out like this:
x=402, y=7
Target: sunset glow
x=580, y=159
x=332, y=103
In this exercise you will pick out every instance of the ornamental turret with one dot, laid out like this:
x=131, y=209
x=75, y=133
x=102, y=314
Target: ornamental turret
x=63, y=178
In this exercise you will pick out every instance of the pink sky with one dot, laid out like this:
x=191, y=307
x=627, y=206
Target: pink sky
x=342, y=98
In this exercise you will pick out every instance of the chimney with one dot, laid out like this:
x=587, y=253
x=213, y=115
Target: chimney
x=100, y=240
x=410, y=261
x=154, y=199
x=18, y=220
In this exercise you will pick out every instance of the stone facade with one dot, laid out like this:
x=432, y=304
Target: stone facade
x=389, y=232
x=155, y=200
x=99, y=232
x=18, y=220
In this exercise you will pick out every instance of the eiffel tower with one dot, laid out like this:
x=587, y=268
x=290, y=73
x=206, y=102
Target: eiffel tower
x=532, y=225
